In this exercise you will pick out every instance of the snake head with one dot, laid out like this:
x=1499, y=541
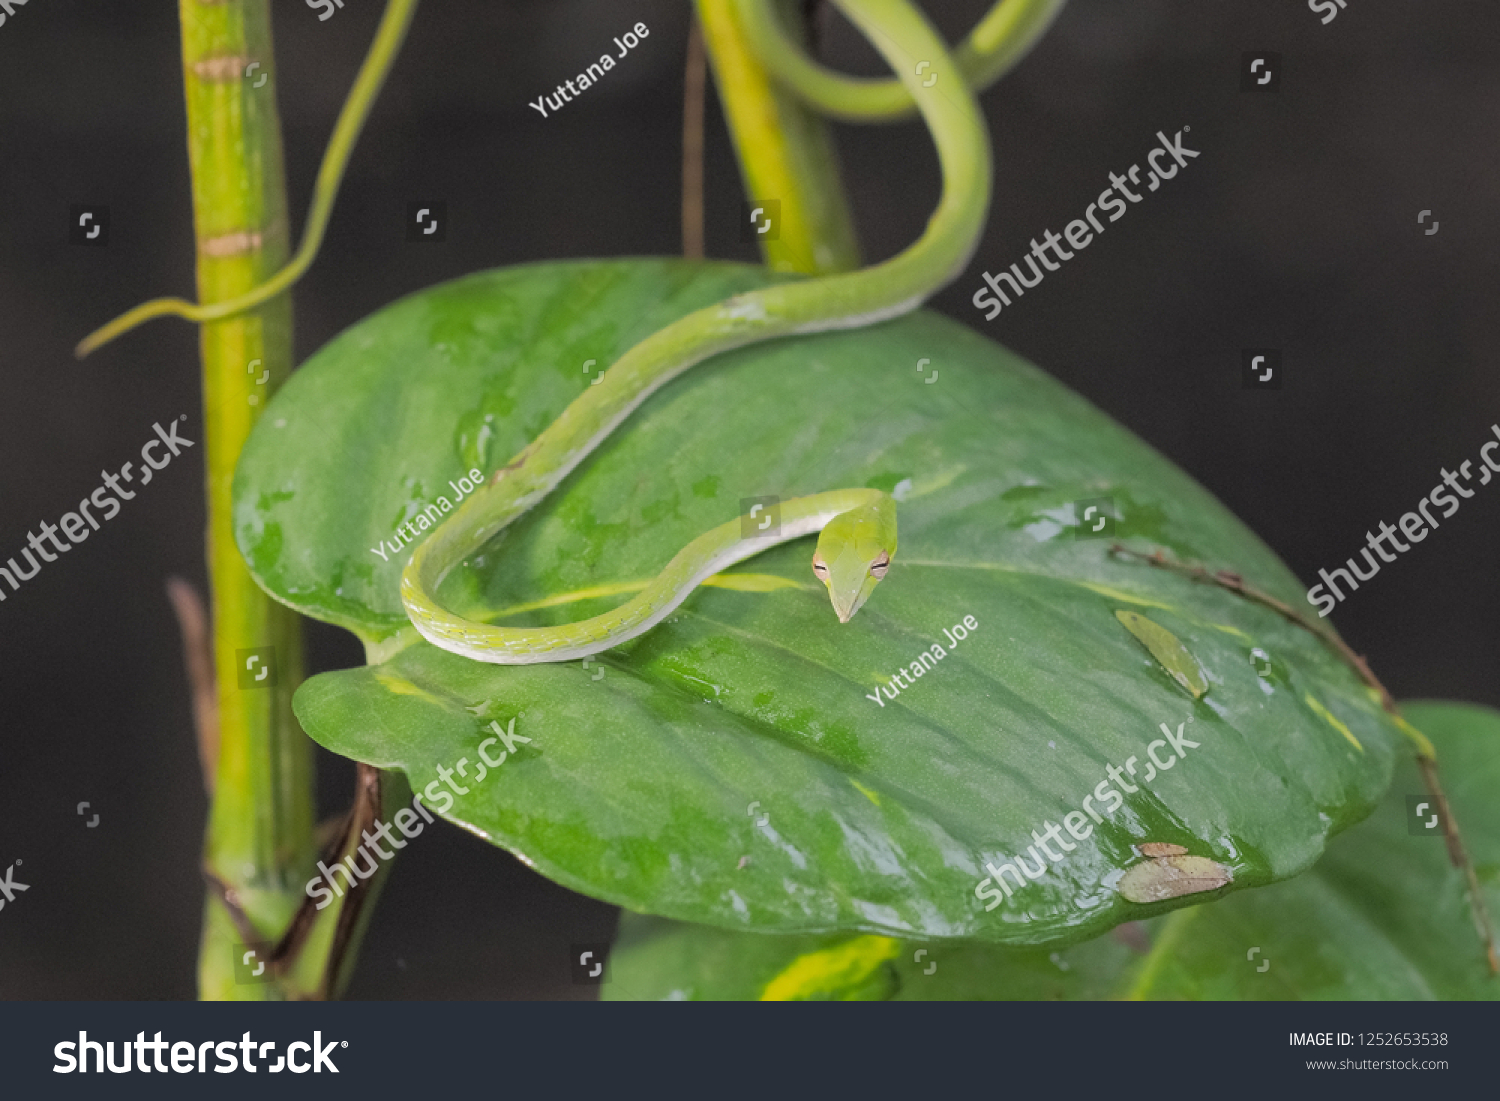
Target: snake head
x=854, y=551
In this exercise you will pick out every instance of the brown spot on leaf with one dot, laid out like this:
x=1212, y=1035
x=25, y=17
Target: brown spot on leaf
x=1172, y=877
x=1161, y=848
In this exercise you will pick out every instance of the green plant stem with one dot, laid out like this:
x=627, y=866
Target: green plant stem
x=1000, y=40
x=1160, y=956
x=786, y=153
x=260, y=833
x=372, y=74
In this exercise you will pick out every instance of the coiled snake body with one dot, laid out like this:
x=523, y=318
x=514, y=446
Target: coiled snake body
x=857, y=527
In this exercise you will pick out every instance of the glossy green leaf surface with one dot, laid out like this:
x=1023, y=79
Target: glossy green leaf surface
x=1383, y=916
x=750, y=762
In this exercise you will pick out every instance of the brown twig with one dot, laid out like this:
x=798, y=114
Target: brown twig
x=361, y=817
x=694, y=80
x=1232, y=581
x=1426, y=762
x=347, y=836
x=1459, y=857
x=198, y=657
x=242, y=923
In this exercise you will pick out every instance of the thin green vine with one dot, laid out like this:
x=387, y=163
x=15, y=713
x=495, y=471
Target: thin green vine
x=786, y=153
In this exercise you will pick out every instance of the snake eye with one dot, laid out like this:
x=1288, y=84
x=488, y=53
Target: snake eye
x=819, y=566
x=880, y=565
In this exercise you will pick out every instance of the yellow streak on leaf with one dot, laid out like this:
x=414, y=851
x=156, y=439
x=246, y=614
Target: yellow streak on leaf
x=619, y=588
x=736, y=582
x=1120, y=594
x=1332, y=720
x=868, y=794
x=755, y=582
x=400, y=686
x=1235, y=631
x=822, y=973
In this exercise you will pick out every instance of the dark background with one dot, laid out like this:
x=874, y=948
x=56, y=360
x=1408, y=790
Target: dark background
x=1295, y=229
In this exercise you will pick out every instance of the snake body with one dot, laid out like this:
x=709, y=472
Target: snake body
x=997, y=43
x=857, y=526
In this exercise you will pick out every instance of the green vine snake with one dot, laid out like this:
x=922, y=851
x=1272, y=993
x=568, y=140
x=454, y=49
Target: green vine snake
x=857, y=527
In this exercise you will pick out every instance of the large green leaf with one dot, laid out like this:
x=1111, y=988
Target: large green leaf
x=1383, y=916
x=730, y=766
